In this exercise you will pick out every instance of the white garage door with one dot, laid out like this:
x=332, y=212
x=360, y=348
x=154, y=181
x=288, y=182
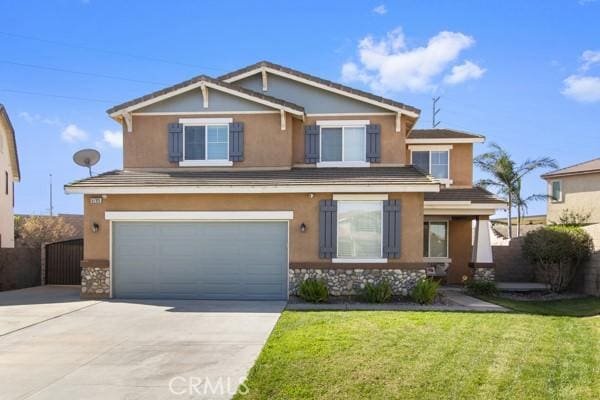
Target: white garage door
x=200, y=260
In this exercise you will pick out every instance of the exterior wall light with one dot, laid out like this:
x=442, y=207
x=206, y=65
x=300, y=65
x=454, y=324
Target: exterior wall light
x=311, y=195
x=303, y=227
x=95, y=227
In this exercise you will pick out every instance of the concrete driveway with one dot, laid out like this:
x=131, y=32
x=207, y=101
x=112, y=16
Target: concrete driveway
x=53, y=346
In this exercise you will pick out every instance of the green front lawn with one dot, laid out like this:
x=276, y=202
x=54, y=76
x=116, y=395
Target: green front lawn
x=428, y=355
x=582, y=307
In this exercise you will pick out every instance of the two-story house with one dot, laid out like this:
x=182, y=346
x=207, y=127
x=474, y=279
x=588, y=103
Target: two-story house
x=576, y=189
x=242, y=186
x=9, y=173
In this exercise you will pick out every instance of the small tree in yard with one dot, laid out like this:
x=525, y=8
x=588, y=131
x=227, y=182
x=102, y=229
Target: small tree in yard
x=34, y=230
x=557, y=252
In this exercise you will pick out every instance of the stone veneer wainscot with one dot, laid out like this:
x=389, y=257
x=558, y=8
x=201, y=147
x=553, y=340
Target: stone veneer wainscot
x=351, y=281
x=95, y=279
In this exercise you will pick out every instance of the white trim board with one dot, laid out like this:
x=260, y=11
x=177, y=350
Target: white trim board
x=359, y=260
x=205, y=121
x=434, y=147
x=431, y=187
x=151, y=114
x=445, y=141
x=199, y=215
x=360, y=197
x=338, y=123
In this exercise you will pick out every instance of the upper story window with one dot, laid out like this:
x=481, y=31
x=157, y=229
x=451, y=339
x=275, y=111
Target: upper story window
x=556, y=191
x=206, y=143
x=434, y=162
x=343, y=143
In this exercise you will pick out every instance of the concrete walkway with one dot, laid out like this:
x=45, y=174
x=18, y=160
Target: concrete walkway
x=63, y=348
x=458, y=296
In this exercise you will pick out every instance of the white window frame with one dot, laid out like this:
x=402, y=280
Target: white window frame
x=560, y=198
x=206, y=122
x=349, y=260
x=446, y=181
x=428, y=257
x=343, y=125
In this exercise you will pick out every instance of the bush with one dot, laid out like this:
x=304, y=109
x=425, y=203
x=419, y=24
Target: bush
x=425, y=291
x=378, y=293
x=314, y=290
x=573, y=218
x=557, y=252
x=485, y=288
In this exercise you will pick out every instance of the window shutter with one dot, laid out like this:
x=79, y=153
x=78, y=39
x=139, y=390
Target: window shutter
x=374, y=143
x=175, y=142
x=328, y=229
x=391, y=228
x=236, y=141
x=311, y=144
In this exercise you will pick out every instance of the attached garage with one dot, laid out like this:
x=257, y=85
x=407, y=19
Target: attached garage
x=221, y=260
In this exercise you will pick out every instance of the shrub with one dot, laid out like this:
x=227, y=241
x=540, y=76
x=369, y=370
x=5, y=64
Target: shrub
x=557, y=252
x=573, y=218
x=377, y=293
x=485, y=288
x=425, y=291
x=314, y=290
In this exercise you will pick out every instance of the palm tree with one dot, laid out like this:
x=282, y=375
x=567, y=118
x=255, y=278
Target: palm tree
x=506, y=175
x=522, y=204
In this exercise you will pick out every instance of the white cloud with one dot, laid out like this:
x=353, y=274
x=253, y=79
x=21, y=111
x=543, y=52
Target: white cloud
x=113, y=138
x=380, y=9
x=460, y=73
x=585, y=89
x=389, y=65
x=35, y=118
x=72, y=133
x=589, y=58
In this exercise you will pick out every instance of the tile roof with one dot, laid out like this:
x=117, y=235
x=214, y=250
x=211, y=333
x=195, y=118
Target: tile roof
x=474, y=195
x=316, y=79
x=200, y=78
x=586, y=167
x=295, y=176
x=12, y=142
x=441, y=133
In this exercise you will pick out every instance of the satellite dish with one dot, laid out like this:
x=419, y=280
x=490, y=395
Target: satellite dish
x=87, y=158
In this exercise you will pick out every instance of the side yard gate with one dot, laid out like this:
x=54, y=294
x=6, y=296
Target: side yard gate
x=63, y=262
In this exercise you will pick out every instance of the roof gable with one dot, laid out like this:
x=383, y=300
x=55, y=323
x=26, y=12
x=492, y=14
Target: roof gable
x=6, y=126
x=586, y=167
x=311, y=80
x=192, y=101
x=313, y=99
x=200, y=82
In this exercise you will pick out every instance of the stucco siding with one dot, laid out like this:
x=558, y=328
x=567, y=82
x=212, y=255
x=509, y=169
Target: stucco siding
x=393, y=144
x=304, y=247
x=314, y=100
x=7, y=227
x=580, y=193
x=192, y=101
x=265, y=144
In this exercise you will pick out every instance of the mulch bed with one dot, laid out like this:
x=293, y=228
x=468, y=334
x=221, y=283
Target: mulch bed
x=540, y=296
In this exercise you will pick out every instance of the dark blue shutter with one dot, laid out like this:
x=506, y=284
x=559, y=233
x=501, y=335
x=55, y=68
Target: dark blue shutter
x=328, y=229
x=311, y=144
x=374, y=143
x=391, y=228
x=420, y=159
x=236, y=141
x=175, y=142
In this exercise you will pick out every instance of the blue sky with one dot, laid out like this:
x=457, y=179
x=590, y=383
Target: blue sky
x=525, y=74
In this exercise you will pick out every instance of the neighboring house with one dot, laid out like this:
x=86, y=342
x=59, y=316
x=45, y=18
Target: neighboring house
x=575, y=188
x=241, y=187
x=9, y=173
